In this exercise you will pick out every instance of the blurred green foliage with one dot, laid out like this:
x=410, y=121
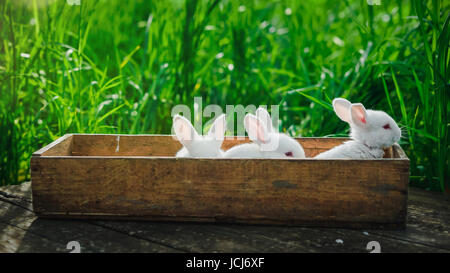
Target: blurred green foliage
x=111, y=66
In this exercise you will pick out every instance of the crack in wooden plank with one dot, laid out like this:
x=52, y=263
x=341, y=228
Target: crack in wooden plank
x=14, y=203
x=397, y=238
x=13, y=196
x=38, y=234
x=142, y=238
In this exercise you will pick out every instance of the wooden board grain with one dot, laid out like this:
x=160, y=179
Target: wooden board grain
x=427, y=231
x=158, y=145
x=164, y=145
x=59, y=147
x=312, y=192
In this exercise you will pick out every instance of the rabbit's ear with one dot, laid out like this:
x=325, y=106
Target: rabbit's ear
x=264, y=116
x=217, y=130
x=359, y=114
x=184, y=130
x=342, y=109
x=256, y=129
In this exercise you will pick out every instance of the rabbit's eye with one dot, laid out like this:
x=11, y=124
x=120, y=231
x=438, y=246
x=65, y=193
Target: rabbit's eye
x=386, y=126
x=289, y=154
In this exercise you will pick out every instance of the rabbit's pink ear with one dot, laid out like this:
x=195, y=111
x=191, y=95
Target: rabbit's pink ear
x=264, y=116
x=184, y=130
x=342, y=109
x=359, y=114
x=256, y=129
x=217, y=130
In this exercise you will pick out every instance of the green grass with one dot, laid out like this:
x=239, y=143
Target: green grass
x=110, y=67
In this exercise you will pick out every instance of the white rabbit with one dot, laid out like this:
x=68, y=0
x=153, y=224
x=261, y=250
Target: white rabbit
x=196, y=145
x=371, y=131
x=267, y=142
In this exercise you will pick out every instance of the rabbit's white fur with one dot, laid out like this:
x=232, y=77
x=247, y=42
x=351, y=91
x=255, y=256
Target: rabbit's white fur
x=195, y=145
x=371, y=131
x=267, y=142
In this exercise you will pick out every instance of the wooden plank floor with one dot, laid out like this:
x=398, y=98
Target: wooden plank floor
x=21, y=231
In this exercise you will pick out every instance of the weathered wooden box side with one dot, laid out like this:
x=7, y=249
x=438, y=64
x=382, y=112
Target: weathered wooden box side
x=109, y=176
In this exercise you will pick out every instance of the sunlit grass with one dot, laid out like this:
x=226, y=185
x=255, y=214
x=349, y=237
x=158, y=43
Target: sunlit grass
x=110, y=67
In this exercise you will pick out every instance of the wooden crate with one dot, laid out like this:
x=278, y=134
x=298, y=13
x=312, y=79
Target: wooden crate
x=137, y=177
